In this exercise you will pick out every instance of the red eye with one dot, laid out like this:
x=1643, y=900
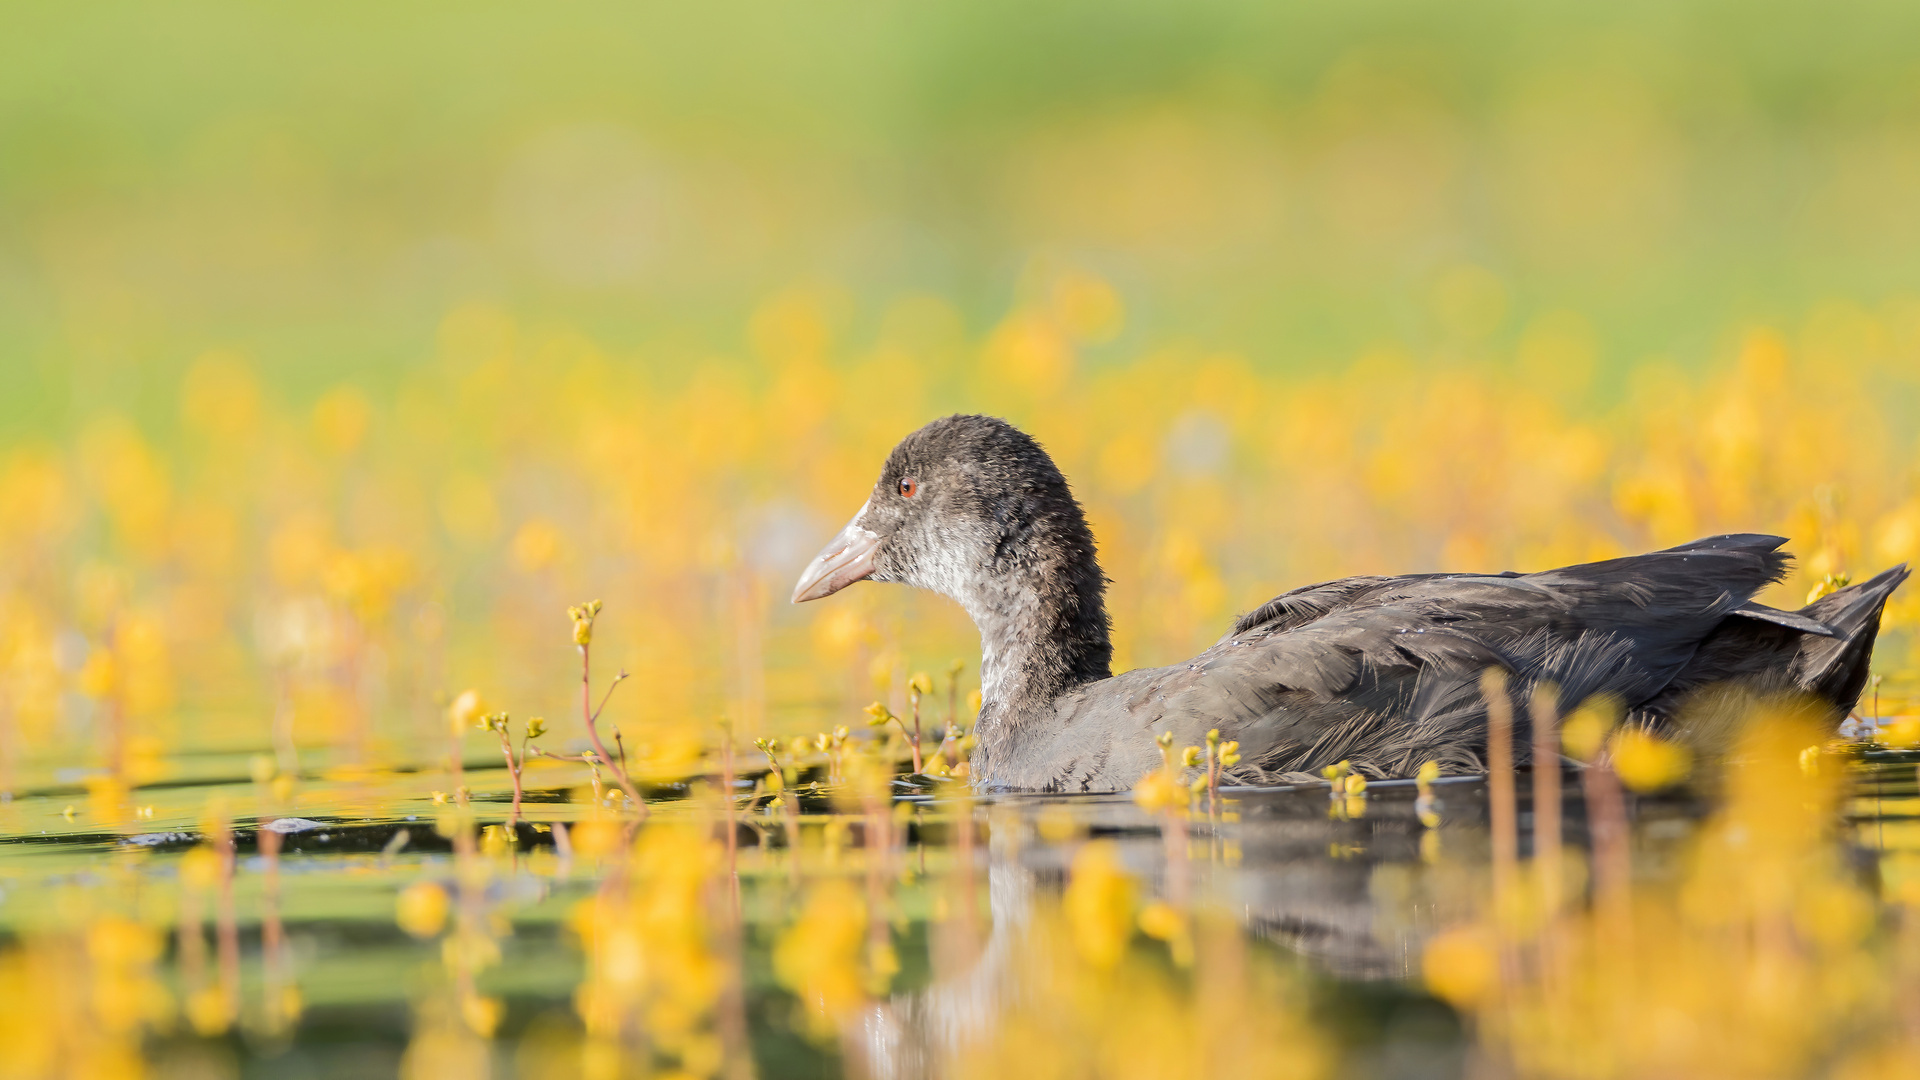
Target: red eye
x=908, y=485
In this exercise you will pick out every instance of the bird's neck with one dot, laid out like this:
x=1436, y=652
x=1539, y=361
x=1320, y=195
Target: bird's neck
x=1043, y=631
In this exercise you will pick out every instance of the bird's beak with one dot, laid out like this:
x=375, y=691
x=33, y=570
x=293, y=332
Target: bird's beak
x=846, y=559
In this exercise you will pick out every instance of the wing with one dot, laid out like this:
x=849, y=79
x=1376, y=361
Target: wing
x=1385, y=671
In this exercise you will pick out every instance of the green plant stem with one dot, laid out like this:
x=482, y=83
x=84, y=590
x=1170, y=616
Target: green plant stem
x=592, y=716
x=513, y=770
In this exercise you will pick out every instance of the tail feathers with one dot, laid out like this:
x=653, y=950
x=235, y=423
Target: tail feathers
x=1761, y=547
x=1836, y=667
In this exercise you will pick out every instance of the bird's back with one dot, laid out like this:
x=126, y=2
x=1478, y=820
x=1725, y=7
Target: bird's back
x=1384, y=671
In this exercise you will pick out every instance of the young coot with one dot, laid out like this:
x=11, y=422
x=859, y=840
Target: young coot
x=1380, y=671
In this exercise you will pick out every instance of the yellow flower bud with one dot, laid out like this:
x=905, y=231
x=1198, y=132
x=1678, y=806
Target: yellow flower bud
x=465, y=710
x=1429, y=772
x=536, y=727
x=878, y=714
x=1355, y=784
x=1164, y=739
x=1829, y=585
x=921, y=683
x=583, y=617
x=1810, y=761
x=1190, y=757
x=1213, y=736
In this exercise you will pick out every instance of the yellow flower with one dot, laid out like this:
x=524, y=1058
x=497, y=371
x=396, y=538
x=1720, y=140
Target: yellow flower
x=1191, y=756
x=878, y=714
x=482, y=1014
x=1585, y=732
x=99, y=674
x=818, y=958
x=200, y=868
x=1099, y=902
x=1155, y=792
x=209, y=1011
x=1354, y=784
x=1902, y=734
x=921, y=683
x=1161, y=920
x=536, y=727
x=1646, y=762
x=422, y=909
x=1461, y=967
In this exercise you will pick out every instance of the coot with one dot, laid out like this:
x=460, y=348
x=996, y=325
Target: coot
x=1380, y=671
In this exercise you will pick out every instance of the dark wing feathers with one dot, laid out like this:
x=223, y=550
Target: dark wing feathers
x=1384, y=671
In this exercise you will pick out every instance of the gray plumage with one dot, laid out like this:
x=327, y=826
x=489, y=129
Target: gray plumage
x=1380, y=671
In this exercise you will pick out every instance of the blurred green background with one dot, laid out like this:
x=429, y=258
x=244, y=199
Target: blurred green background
x=318, y=186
